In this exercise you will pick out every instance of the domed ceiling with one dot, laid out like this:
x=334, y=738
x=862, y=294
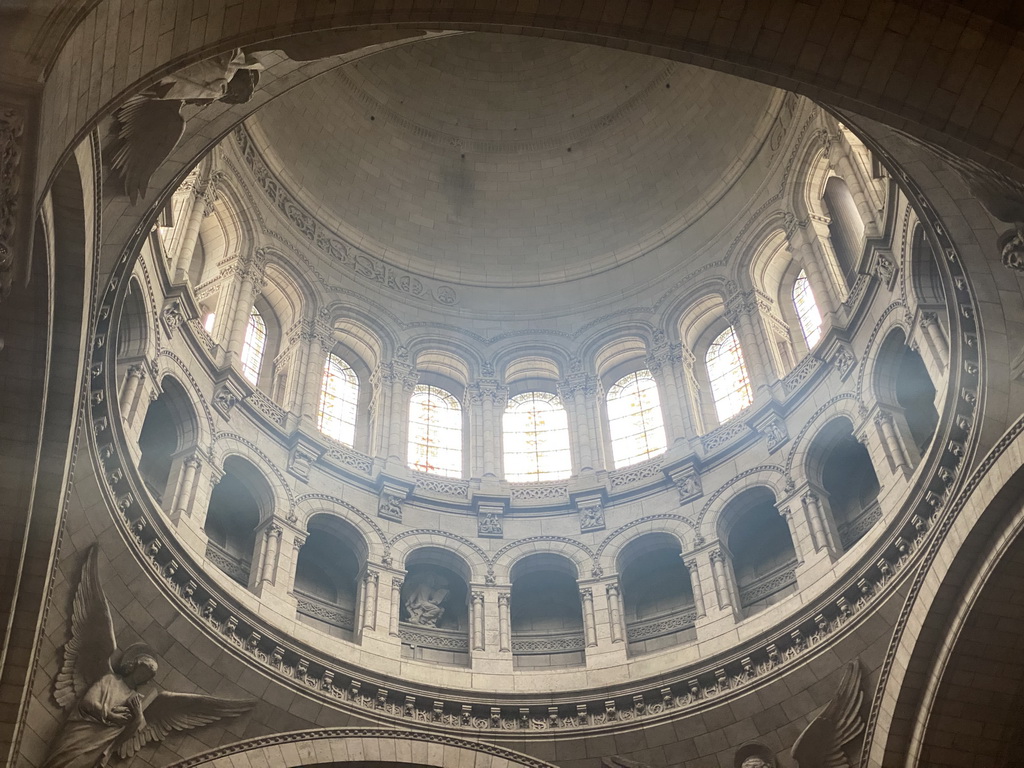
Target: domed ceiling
x=483, y=159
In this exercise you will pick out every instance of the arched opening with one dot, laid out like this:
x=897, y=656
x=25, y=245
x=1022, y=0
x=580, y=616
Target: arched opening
x=843, y=468
x=915, y=394
x=170, y=428
x=846, y=229
x=535, y=438
x=327, y=576
x=925, y=277
x=763, y=557
x=905, y=386
x=435, y=431
x=635, y=425
x=434, y=613
x=339, y=398
x=728, y=375
x=133, y=327
x=657, y=598
x=545, y=614
x=238, y=503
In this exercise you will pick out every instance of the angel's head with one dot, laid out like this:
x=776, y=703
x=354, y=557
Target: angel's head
x=137, y=665
x=753, y=756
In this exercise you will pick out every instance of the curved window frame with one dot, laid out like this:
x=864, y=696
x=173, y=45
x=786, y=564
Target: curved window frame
x=535, y=438
x=339, y=400
x=807, y=312
x=254, y=346
x=435, y=432
x=636, y=426
x=728, y=376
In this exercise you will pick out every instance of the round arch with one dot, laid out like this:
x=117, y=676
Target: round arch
x=386, y=746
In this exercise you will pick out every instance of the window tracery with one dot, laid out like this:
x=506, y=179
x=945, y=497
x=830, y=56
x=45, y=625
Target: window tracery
x=339, y=394
x=254, y=346
x=535, y=431
x=435, y=432
x=727, y=372
x=634, y=419
x=807, y=309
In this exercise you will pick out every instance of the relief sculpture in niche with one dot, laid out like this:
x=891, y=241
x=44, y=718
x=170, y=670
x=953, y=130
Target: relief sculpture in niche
x=820, y=745
x=425, y=598
x=98, y=687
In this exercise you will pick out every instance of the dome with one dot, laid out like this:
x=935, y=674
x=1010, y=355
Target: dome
x=508, y=387
x=496, y=160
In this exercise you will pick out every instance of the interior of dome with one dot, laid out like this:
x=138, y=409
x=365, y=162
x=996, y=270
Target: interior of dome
x=525, y=393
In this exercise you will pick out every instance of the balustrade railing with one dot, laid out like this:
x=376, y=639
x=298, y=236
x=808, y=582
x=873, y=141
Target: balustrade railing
x=236, y=567
x=321, y=610
x=775, y=581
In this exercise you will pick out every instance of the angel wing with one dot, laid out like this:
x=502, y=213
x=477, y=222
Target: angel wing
x=148, y=130
x=821, y=743
x=87, y=652
x=311, y=46
x=179, y=712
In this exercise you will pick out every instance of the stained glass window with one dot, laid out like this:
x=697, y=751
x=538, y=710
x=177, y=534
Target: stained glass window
x=807, y=309
x=730, y=384
x=339, y=396
x=634, y=419
x=253, y=347
x=435, y=432
x=209, y=320
x=535, y=429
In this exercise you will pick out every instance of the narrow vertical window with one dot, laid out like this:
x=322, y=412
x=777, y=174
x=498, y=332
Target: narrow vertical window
x=634, y=419
x=435, y=432
x=730, y=384
x=339, y=395
x=807, y=309
x=535, y=429
x=254, y=346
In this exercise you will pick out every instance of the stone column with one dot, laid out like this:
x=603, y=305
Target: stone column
x=850, y=169
x=477, y=618
x=203, y=196
x=298, y=542
x=615, y=612
x=250, y=285
x=740, y=309
x=396, y=604
x=822, y=535
x=724, y=590
x=693, y=409
x=370, y=582
x=504, y=623
x=271, y=548
x=891, y=441
x=695, y=585
x=578, y=392
x=819, y=263
x=318, y=342
x=665, y=362
x=486, y=402
x=589, y=622
x=186, y=491
x=393, y=383
x=934, y=338
x=129, y=398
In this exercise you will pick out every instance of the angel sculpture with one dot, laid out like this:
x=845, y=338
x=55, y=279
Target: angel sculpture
x=150, y=125
x=98, y=688
x=821, y=743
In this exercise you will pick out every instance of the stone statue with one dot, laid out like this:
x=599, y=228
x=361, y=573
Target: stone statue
x=150, y=124
x=821, y=743
x=98, y=688
x=425, y=598
x=753, y=756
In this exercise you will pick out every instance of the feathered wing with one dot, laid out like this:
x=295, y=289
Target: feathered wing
x=179, y=712
x=312, y=46
x=148, y=130
x=87, y=652
x=821, y=743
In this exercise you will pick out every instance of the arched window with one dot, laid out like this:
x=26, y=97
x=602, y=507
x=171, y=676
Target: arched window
x=254, y=346
x=435, y=431
x=730, y=384
x=536, y=438
x=807, y=309
x=634, y=419
x=339, y=394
